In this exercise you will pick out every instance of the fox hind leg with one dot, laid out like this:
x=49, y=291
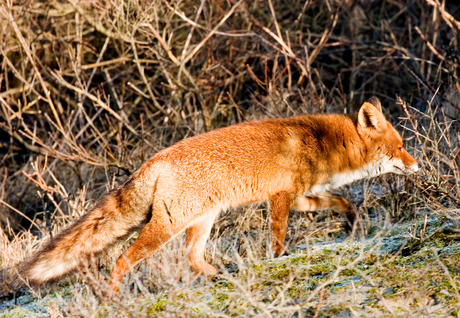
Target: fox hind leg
x=152, y=237
x=197, y=234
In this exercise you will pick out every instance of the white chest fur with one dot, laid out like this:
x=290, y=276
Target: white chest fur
x=370, y=170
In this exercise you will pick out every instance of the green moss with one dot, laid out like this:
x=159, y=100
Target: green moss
x=158, y=306
x=327, y=251
x=321, y=268
x=349, y=272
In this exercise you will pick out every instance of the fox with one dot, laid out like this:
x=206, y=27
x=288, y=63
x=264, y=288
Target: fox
x=290, y=162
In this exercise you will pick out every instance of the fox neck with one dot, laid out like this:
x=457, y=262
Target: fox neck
x=350, y=160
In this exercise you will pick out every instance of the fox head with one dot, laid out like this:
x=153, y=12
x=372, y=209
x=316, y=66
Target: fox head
x=384, y=145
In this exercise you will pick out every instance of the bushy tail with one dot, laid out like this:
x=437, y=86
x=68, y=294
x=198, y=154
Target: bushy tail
x=112, y=219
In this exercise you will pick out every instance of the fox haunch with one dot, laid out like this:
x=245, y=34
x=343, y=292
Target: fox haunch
x=290, y=162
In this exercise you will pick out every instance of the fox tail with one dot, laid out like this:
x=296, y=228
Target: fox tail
x=114, y=218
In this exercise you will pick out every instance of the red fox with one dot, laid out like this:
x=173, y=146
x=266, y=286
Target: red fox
x=291, y=162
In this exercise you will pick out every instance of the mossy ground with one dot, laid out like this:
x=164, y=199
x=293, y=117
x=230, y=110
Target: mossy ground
x=374, y=276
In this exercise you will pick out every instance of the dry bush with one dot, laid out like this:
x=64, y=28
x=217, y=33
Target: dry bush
x=89, y=90
x=100, y=86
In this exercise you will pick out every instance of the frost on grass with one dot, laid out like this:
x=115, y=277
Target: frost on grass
x=30, y=306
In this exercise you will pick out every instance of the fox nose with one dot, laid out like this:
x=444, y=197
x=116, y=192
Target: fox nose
x=415, y=167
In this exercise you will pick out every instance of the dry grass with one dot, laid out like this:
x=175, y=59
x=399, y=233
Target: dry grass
x=90, y=89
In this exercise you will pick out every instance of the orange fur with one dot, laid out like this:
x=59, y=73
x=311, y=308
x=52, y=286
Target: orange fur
x=290, y=162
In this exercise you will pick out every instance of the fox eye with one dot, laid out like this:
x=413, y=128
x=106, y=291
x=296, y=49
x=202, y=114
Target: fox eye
x=400, y=148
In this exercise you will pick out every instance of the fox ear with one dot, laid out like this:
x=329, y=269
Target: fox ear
x=376, y=102
x=370, y=117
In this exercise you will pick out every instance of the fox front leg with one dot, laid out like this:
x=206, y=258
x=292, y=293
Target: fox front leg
x=282, y=202
x=328, y=201
x=280, y=205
